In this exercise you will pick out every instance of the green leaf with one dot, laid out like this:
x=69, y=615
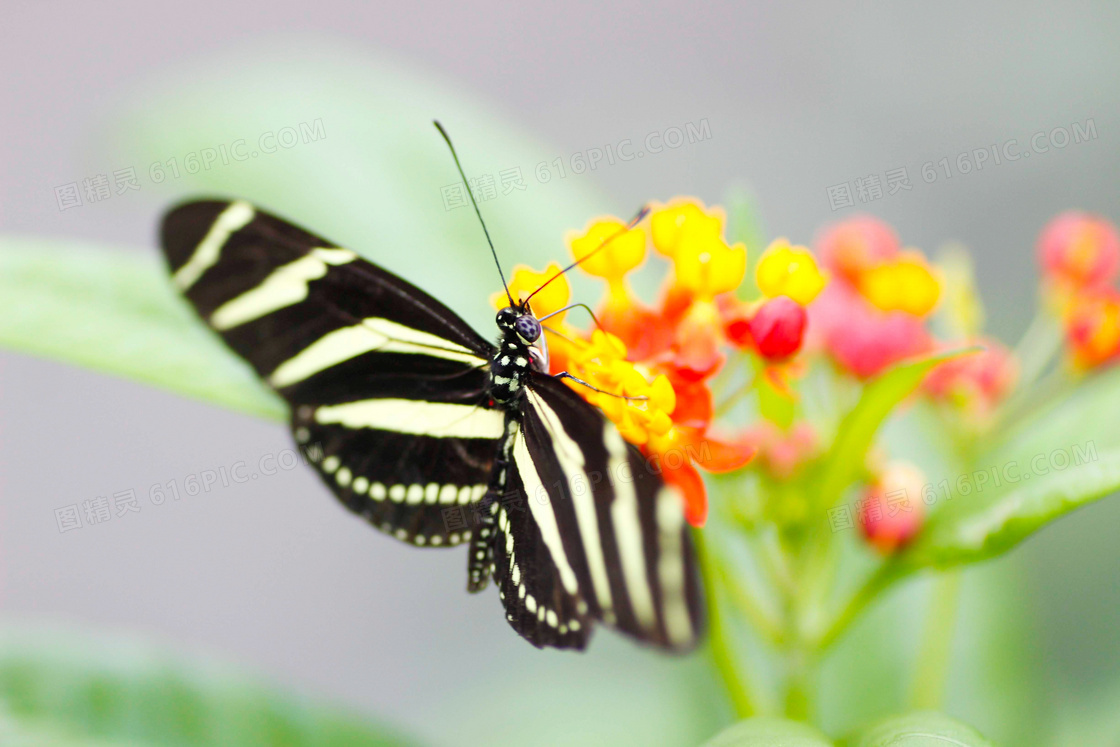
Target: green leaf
x=78, y=689
x=769, y=732
x=983, y=524
x=845, y=461
x=114, y=311
x=918, y=729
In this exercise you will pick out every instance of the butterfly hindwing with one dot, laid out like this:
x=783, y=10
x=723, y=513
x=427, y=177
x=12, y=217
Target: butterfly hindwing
x=388, y=387
x=606, y=538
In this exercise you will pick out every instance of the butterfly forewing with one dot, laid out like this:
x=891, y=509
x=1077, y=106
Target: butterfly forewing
x=388, y=387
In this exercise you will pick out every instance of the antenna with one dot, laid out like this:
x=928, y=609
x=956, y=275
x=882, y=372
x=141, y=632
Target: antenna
x=633, y=222
x=476, y=210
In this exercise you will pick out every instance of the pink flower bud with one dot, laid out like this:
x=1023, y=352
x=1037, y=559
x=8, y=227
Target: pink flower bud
x=892, y=511
x=778, y=327
x=1079, y=249
x=975, y=381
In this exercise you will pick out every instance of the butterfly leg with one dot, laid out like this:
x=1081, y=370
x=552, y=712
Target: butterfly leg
x=480, y=561
x=592, y=387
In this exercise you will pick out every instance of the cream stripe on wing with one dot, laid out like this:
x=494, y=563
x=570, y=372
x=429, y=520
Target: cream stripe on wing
x=628, y=530
x=671, y=566
x=372, y=334
x=416, y=417
x=286, y=285
x=206, y=254
x=572, y=463
x=543, y=514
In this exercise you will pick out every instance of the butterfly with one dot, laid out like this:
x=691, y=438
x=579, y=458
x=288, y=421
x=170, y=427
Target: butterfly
x=440, y=438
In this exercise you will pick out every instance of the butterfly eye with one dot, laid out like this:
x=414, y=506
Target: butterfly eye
x=528, y=328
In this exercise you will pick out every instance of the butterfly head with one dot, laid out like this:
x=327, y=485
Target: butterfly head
x=520, y=321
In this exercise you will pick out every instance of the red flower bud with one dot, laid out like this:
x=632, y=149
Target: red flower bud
x=778, y=327
x=892, y=509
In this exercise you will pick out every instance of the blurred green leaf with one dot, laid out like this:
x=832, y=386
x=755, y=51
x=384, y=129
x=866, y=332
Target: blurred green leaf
x=367, y=169
x=78, y=689
x=978, y=526
x=919, y=729
x=845, y=461
x=769, y=732
x=1088, y=413
x=115, y=311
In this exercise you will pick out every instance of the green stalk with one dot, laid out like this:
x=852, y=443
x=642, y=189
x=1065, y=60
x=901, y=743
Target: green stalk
x=723, y=654
x=746, y=603
x=932, y=667
x=884, y=576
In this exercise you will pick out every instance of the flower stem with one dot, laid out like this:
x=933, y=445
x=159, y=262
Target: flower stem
x=722, y=652
x=1037, y=348
x=932, y=667
x=883, y=577
x=750, y=607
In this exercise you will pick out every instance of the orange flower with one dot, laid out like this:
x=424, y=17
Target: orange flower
x=651, y=365
x=706, y=266
x=906, y=283
x=606, y=249
x=681, y=221
x=1093, y=328
x=611, y=252
x=525, y=280
x=785, y=270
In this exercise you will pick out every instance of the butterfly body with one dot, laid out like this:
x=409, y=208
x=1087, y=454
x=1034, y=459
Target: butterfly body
x=513, y=358
x=438, y=437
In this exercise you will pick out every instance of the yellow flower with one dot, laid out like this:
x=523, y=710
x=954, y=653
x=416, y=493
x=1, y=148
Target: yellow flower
x=677, y=222
x=602, y=363
x=625, y=251
x=706, y=266
x=906, y=284
x=792, y=271
x=525, y=280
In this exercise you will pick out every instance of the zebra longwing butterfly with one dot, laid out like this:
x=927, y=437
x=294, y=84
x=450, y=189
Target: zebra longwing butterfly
x=419, y=418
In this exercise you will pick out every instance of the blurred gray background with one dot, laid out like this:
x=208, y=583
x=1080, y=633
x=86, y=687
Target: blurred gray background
x=798, y=98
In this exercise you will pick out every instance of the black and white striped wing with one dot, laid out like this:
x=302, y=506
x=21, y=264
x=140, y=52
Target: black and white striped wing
x=387, y=386
x=587, y=532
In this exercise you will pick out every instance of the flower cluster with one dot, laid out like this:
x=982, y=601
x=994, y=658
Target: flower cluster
x=651, y=367
x=1080, y=257
x=865, y=305
x=874, y=314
